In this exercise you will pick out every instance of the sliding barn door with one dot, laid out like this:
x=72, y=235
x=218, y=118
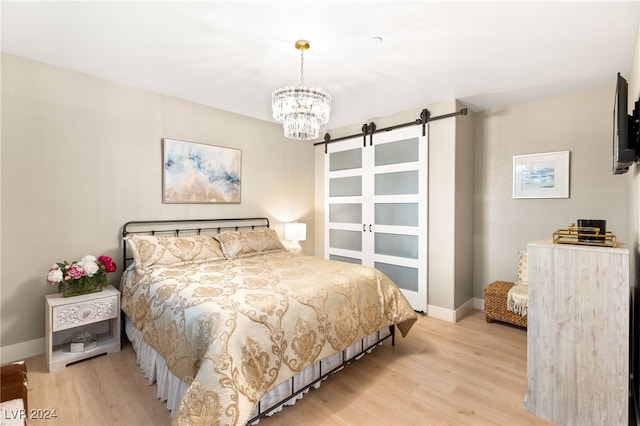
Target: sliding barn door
x=376, y=207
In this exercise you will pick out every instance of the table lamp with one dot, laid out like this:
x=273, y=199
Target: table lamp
x=295, y=232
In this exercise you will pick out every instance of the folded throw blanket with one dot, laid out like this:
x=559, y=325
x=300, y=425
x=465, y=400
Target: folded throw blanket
x=517, y=299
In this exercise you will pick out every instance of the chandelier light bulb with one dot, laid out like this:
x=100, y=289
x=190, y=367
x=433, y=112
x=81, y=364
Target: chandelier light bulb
x=301, y=110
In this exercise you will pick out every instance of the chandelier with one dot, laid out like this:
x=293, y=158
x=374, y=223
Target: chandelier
x=301, y=110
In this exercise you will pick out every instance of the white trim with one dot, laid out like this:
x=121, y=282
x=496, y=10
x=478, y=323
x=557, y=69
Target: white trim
x=441, y=313
x=478, y=303
x=20, y=351
x=464, y=310
x=451, y=315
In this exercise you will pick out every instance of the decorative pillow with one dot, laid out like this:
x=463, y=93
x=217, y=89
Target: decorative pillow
x=149, y=250
x=249, y=243
x=522, y=268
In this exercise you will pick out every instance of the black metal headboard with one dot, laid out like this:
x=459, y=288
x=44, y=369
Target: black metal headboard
x=186, y=227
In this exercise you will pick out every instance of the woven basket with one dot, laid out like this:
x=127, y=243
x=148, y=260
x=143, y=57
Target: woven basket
x=495, y=304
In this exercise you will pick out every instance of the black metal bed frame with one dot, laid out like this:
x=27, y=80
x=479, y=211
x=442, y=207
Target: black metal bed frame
x=215, y=226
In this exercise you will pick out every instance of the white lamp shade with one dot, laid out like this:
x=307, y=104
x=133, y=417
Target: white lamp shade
x=295, y=231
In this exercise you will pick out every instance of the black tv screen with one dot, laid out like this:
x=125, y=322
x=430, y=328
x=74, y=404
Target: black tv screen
x=623, y=154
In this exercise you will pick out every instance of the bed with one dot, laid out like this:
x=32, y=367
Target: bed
x=231, y=325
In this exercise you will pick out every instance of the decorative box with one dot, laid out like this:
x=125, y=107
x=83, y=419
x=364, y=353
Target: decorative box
x=83, y=341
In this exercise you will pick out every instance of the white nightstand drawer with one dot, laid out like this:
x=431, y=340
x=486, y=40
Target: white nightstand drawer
x=75, y=314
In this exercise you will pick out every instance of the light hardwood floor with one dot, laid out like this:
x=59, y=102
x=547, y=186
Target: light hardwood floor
x=468, y=373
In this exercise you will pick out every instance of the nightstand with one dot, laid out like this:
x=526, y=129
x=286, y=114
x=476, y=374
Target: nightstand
x=97, y=313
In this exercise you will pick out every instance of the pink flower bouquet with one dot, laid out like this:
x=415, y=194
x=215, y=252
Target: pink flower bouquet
x=87, y=275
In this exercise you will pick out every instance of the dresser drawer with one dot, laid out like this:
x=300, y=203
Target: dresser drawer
x=75, y=314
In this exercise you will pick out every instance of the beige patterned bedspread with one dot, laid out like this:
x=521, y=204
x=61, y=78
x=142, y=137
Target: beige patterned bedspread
x=234, y=329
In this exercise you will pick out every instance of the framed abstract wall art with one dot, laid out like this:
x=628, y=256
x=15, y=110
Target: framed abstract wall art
x=200, y=173
x=541, y=175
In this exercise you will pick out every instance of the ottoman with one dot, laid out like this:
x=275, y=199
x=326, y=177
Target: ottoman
x=495, y=304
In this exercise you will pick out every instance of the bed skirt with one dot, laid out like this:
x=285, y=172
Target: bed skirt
x=172, y=390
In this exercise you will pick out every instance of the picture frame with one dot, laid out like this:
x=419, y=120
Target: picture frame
x=544, y=175
x=200, y=173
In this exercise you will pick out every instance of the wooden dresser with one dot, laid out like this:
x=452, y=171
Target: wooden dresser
x=578, y=335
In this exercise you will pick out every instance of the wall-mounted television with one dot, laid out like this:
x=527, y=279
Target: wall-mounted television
x=626, y=142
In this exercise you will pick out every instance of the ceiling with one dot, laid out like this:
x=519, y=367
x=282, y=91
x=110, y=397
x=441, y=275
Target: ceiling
x=374, y=58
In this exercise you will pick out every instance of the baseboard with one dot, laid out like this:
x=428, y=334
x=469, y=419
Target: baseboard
x=20, y=351
x=441, y=313
x=464, y=310
x=478, y=303
x=451, y=315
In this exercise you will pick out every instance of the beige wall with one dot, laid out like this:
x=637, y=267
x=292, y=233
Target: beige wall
x=464, y=164
x=634, y=173
x=634, y=196
x=441, y=206
x=577, y=122
x=82, y=155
